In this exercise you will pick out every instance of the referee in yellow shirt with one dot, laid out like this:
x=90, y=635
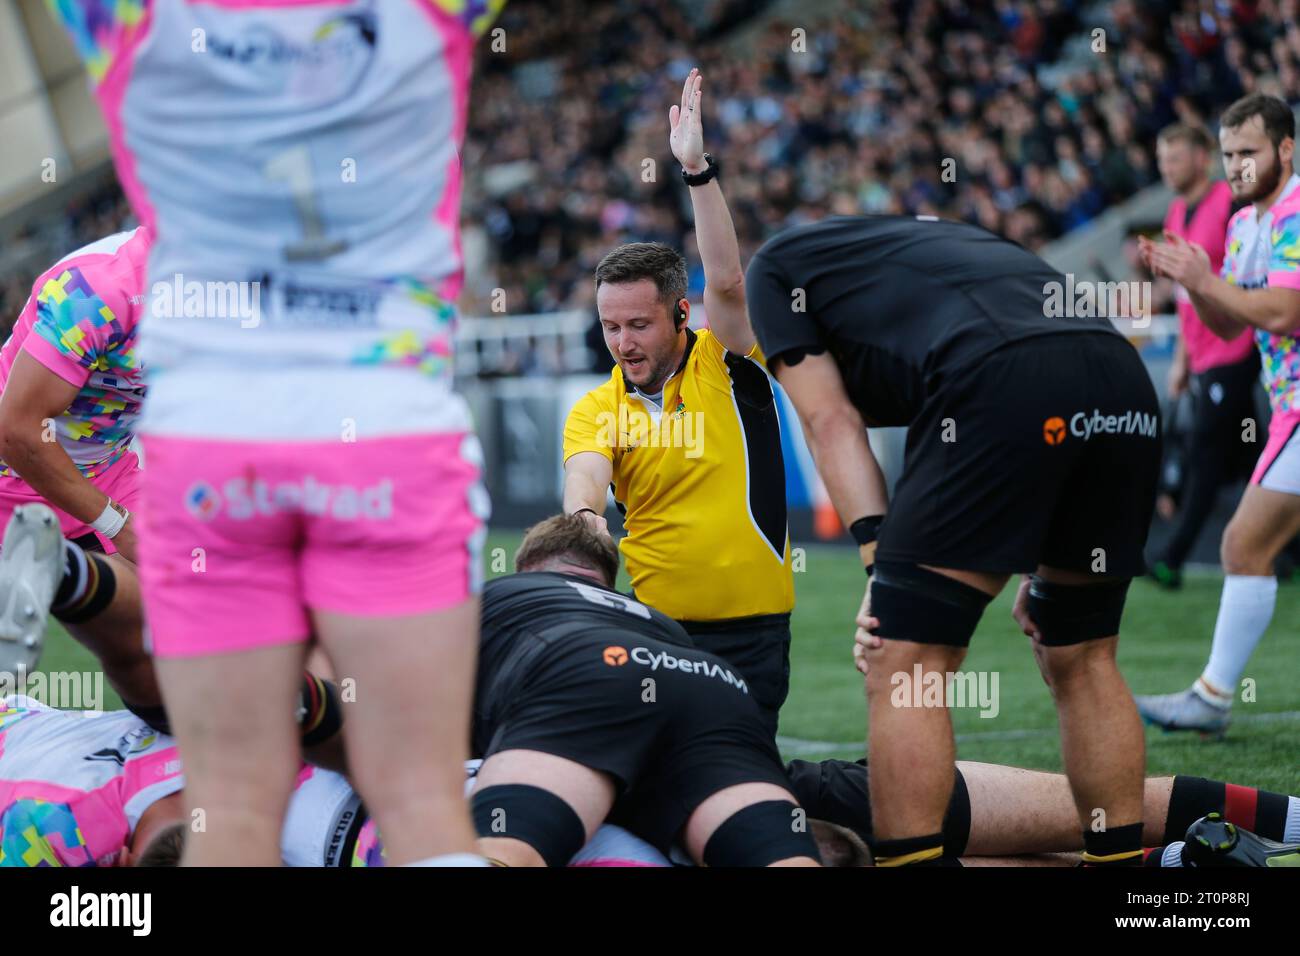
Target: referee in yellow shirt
x=686, y=429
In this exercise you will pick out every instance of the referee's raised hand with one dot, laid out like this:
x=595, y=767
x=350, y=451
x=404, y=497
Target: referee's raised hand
x=687, y=137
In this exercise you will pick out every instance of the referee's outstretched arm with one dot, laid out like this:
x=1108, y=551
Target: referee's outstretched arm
x=715, y=234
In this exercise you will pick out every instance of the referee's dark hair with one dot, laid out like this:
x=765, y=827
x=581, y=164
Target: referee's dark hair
x=1273, y=112
x=568, y=539
x=635, y=261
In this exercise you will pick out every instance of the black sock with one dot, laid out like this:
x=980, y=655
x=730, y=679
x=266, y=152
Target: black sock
x=1118, y=846
x=1260, y=811
x=320, y=711
x=910, y=851
x=87, y=586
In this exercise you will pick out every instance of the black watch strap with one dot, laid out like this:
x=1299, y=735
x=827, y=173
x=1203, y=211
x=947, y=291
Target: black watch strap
x=699, y=179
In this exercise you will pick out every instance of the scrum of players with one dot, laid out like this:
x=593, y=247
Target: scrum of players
x=544, y=718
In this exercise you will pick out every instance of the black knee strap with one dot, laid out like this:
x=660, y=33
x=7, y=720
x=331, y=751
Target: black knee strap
x=1073, y=613
x=760, y=835
x=915, y=604
x=531, y=815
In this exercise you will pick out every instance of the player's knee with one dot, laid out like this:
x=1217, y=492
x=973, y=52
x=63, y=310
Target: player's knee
x=895, y=658
x=1064, y=667
x=532, y=816
x=922, y=606
x=1069, y=614
x=761, y=834
x=1240, y=553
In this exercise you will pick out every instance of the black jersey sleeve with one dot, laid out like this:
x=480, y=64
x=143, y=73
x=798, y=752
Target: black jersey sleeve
x=778, y=311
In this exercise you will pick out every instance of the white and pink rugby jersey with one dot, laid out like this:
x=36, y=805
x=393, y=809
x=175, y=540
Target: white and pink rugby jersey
x=298, y=163
x=80, y=323
x=73, y=786
x=1265, y=251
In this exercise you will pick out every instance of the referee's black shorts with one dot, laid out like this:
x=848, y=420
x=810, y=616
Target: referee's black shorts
x=672, y=725
x=1045, y=452
x=759, y=649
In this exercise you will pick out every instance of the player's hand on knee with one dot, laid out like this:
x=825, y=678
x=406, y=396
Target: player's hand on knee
x=1020, y=611
x=863, y=639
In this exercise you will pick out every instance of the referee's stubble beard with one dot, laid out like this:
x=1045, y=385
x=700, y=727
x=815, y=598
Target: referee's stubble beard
x=640, y=333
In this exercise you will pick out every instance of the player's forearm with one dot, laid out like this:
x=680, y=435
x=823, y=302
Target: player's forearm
x=581, y=491
x=1224, y=308
x=47, y=468
x=847, y=466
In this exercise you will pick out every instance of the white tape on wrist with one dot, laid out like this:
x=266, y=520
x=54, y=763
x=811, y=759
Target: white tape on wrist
x=110, y=521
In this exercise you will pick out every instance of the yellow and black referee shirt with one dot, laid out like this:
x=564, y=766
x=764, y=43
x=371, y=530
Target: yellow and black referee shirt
x=701, y=483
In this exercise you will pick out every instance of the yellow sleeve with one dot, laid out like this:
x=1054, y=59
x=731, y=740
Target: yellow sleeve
x=592, y=425
x=713, y=348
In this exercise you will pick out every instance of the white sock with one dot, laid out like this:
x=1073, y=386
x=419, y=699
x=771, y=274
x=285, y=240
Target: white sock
x=1244, y=614
x=452, y=859
x=1291, y=829
x=1173, y=854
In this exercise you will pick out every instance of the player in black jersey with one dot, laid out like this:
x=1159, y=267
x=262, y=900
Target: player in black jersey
x=592, y=705
x=1033, y=448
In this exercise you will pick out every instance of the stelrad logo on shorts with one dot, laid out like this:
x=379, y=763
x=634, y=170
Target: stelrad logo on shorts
x=1087, y=426
x=617, y=657
x=241, y=499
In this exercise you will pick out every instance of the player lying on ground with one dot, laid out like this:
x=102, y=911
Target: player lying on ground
x=72, y=389
x=1033, y=447
x=1007, y=812
x=107, y=791
x=1259, y=289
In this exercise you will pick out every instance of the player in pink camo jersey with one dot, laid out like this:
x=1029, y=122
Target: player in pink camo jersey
x=311, y=469
x=72, y=390
x=1260, y=288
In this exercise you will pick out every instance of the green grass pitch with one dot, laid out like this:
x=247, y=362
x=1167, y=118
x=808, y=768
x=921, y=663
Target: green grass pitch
x=1165, y=640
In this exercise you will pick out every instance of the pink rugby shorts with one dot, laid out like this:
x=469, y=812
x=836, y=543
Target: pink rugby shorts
x=121, y=482
x=239, y=539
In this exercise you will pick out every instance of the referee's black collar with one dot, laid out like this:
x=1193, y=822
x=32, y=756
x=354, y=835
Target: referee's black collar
x=690, y=344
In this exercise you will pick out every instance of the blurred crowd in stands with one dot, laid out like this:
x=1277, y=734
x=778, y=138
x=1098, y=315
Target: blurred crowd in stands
x=1048, y=110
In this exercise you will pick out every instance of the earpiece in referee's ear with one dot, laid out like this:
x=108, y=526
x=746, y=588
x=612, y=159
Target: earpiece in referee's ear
x=681, y=316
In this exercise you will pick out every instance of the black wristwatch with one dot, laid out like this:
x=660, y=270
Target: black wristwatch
x=699, y=179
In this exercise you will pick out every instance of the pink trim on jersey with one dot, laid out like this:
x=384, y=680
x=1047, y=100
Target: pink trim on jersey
x=458, y=47
x=144, y=772
x=1208, y=228
x=614, y=861
x=111, y=93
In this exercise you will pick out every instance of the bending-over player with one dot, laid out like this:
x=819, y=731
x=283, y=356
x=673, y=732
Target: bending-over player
x=592, y=705
x=70, y=371
x=1033, y=446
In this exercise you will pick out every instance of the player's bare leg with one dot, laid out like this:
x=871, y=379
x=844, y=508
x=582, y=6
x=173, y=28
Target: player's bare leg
x=911, y=747
x=407, y=732
x=240, y=769
x=115, y=634
x=714, y=814
x=1015, y=811
x=589, y=794
x=1265, y=521
x=1102, y=745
